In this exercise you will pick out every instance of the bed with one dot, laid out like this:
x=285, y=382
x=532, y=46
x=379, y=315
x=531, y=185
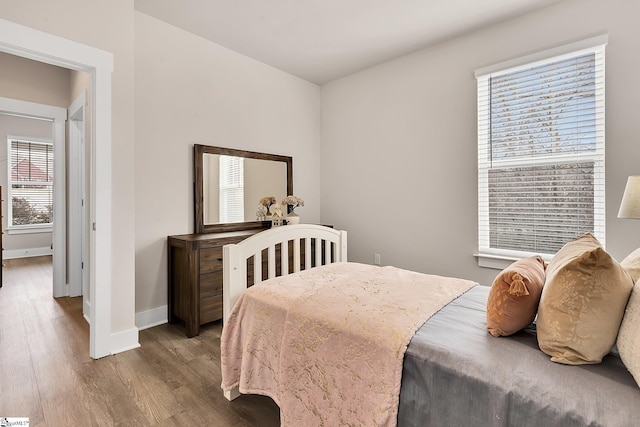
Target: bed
x=442, y=369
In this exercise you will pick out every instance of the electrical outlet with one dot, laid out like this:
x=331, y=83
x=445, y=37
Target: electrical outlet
x=376, y=259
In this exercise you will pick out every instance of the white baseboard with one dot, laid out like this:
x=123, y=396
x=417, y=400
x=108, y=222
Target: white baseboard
x=26, y=253
x=150, y=318
x=86, y=308
x=124, y=340
x=128, y=340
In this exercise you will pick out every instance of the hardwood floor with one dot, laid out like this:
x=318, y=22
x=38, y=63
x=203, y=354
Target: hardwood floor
x=46, y=373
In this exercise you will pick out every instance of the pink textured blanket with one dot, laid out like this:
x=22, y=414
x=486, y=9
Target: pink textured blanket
x=327, y=344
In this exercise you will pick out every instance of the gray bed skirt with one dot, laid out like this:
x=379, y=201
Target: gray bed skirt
x=456, y=374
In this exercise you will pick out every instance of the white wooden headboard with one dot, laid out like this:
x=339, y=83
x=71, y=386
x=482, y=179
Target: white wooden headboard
x=328, y=242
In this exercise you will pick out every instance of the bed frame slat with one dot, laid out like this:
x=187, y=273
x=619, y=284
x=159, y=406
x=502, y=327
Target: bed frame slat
x=271, y=261
x=257, y=268
x=284, y=257
x=307, y=253
x=296, y=255
x=318, y=251
x=327, y=252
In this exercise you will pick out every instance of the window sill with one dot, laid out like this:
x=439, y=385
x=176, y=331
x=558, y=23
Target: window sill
x=500, y=262
x=29, y=229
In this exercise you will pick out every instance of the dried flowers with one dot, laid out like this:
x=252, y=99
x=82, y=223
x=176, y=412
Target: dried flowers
x=292, y=202
x=267, y=201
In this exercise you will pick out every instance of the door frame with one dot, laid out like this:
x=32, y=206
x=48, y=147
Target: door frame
x=37, y=45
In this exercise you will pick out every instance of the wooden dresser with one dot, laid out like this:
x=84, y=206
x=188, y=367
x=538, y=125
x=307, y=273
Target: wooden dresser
x=195, y=276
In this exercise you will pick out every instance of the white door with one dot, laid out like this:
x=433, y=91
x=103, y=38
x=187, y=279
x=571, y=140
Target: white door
x=77, y=227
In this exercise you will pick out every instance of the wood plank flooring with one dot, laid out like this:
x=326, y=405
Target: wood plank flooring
x=46, y=373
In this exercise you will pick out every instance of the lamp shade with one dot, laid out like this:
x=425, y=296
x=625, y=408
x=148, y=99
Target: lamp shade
x=630, y=205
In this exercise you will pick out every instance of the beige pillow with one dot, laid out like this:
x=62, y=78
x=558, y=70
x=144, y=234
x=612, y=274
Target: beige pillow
x=632, y=264
x=582, y=303
x=514, y=296
x=629, y=336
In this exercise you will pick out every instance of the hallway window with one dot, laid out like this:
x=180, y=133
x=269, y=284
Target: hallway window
x=30, y=183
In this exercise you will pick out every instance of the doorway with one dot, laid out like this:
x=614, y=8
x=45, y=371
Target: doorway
x=33, y=44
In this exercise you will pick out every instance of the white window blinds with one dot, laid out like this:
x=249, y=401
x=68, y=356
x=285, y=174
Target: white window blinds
x=541, y=154
x=231, y=189
x=30, y=183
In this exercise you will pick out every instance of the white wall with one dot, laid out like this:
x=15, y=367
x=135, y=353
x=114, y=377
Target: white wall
x=107, y=26
x=399, y=155
x=191, y=91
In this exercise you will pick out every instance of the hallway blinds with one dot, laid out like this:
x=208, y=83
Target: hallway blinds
x=30, y=183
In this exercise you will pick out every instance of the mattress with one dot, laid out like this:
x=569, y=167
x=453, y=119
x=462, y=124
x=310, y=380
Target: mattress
x=456, y=374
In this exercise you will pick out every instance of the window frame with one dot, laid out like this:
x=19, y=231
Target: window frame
x=24, y=228
x=500, y=258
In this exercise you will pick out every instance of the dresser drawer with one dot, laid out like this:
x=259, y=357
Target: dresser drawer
x=211, y=284
x=210, y=296
x=210, y=309
x=210, y=259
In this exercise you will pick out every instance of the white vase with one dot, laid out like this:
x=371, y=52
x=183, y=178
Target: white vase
x=293, y=218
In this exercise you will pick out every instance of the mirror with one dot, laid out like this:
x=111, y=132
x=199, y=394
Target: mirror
x=229, y=184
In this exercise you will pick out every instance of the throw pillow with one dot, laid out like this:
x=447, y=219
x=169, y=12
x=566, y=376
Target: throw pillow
x=582, y=303
x=514, y=296
x=632, y=264
x=629, y=336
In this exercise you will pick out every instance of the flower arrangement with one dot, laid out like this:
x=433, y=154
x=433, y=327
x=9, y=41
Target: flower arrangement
x=264, y=206
x=267, y=201
x=292, y=202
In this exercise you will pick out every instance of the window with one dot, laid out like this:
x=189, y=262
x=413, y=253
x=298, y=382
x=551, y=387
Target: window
x=541, y=152
x=30, y=183
x=231, y=189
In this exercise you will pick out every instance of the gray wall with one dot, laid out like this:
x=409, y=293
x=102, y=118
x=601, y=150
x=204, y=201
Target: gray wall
x=399, y=150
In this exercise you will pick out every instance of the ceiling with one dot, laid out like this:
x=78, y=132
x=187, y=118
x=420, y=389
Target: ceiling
x=322, y=40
